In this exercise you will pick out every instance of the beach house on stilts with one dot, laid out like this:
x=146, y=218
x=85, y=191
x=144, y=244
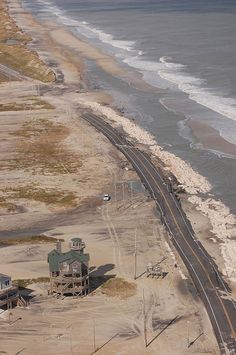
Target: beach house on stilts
x=9, y=295
x=69, y=271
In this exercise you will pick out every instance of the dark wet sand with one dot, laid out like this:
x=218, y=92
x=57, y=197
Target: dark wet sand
x=210, y=138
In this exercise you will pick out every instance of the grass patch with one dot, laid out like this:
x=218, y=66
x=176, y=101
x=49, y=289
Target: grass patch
x=23, y=283
x=8, y=28
x=26, y=62
x=43, y=152
x=3, y=78
x=49, y=197
x=118, y=287
x=14, y=52
x=10, y=207
x=35, y=239
x=32, y=104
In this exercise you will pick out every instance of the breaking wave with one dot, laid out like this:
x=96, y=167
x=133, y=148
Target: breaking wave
x=175, y=74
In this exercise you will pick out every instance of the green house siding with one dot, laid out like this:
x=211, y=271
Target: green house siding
x=53, y=261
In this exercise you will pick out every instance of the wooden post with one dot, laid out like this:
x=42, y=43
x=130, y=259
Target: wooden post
x=188, y=332
x=51, y=286
x=144, y=321
x=115, y=194
x=73, y=285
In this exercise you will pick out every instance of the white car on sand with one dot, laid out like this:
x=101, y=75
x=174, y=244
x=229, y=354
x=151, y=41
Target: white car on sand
x=106, y=197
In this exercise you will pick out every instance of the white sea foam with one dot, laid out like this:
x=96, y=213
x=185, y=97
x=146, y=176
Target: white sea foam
x=176, y=74
x=108, y=38
x=192, y=86
x=150, y=71
x=143, y=65
x=86, y=29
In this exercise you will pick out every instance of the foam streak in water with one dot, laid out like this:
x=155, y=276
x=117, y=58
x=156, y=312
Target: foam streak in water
x=192, y=86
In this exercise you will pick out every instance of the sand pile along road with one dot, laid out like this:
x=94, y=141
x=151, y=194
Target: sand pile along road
x=191, y=180
x=222, y=221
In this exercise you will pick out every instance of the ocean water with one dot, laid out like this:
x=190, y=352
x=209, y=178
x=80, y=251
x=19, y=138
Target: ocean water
x=188, y=49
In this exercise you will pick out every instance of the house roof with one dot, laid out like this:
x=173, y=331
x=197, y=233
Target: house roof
x=55, y=258
x=76, y=239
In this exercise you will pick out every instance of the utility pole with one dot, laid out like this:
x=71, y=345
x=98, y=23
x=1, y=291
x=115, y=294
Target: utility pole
x=144, y=321
x=188, y=332
x=193, y=341
x=94, y=336
x=135, y=254
x=123, y=190
x=71, y=349
x=131, y=190
x=115, y=193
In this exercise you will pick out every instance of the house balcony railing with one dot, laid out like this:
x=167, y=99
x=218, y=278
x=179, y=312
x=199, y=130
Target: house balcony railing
x=9, y=294
x=72, y=279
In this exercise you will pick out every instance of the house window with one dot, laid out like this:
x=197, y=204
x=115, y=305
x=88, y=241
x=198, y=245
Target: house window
x=65, y=266
x=74, y=268
x=7, y=283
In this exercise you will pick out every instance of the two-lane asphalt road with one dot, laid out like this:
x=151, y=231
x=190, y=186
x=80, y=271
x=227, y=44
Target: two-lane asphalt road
x=212, y=289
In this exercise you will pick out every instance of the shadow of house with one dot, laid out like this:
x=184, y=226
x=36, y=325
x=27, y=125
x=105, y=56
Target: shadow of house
x=98, y=277
x=26, y=293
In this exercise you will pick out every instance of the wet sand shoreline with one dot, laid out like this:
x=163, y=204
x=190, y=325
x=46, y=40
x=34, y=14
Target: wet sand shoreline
x=210, y=138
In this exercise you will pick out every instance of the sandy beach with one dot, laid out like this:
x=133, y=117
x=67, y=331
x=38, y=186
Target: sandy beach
x=48, y=150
